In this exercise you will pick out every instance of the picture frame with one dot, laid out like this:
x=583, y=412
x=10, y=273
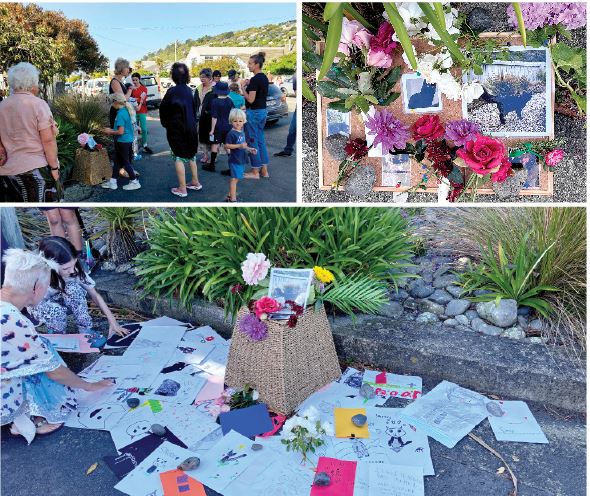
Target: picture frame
x=337, y=122
x=289, y=285
x=396, y=171
x=418, y=96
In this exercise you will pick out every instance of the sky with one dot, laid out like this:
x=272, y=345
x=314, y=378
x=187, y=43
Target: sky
x=130, y=30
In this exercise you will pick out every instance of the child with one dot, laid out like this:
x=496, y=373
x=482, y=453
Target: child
x=124, y=134
x=236, y=144
x=68, y=290
x=220, y=126
x=236, y=97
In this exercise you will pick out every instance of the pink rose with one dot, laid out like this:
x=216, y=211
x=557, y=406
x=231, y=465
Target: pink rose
x=554, y=157
x=484, y=155
x=266, y=305
x=428, y=128
x=255, y=268
x=381, y=47
x=379, y=59
x=353, y=33
x=362, y=39
x=503, y=173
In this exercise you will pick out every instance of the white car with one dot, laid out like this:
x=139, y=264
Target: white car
x=154, y=97
x=95, y=86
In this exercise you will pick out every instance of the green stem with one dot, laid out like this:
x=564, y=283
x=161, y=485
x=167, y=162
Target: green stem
x=521, y=28
x=402, y=33
x=348, y=8
x=442, y=32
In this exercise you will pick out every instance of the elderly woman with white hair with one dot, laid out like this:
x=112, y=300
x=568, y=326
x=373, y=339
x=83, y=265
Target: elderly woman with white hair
x=29, y=166
x=118, y=86
x=36, y=385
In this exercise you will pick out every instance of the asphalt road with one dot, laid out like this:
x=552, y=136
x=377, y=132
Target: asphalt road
x=56, y=465
x=158, y=174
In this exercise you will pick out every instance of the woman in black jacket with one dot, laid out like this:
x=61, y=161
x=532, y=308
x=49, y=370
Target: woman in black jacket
x=178, y=116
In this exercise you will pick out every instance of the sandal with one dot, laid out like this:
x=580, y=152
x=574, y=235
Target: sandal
x=194, y=187
x=42, y=423
x=177, y=192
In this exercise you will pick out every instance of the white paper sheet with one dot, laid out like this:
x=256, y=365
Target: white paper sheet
x=180, y=386
x=99, y=409
x=326, y=399
x=164, y=321
x=144, y=480
x=398, y=386
x=118, y=368
x=395, y=480
x=447, y=413
x=196, y=345
x=351, y=377
x=517, y=424
x=216, y=361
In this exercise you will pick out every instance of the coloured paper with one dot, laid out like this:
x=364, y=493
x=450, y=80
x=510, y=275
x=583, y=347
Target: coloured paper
x=397, y=386
x=249, y=422
x=343, y=425
x=516, y=424
x=341, y=474
x=179, y=483
x=73, y=343
x=116, y=341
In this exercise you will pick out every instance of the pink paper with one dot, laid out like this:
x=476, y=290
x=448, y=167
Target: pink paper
x=341, y=474
x=63, y=342
x=381, y=378
x=212, y=390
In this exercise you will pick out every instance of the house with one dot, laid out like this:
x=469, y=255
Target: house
x=200, y=54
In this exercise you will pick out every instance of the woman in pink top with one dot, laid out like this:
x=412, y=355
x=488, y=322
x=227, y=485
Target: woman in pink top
x=29, y=167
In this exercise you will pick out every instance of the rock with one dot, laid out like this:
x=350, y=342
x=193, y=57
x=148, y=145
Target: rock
x=132, y=402
x=464, y=328
x=510, y=188
x=479, y=20
x=440, y=296
x=391, y=309
x=124, y=267
x=431, y=306
x=503, y=314
x=158, y=430
x=335, y=145
x=108, y=266
x=419, y=289
x=538, y=340
x=367, y=391
x=427, y=318
x=457, y=307
x=256, y=447
x=462, y=319
x=483, y=327
x=411, y=304
x=494, y=409
x=537, y=325
x=524, y=311
x=190, y=463
x=471, y=314
x=321, y=479
x=513, y=333
x=400, y=295
x=455, y=291
x=427, y=276
x=359, y=419
x=361, y=181
x=450, y=322
x=462, y=263
x=446, y=280
x=523, y=322
x=441, y=271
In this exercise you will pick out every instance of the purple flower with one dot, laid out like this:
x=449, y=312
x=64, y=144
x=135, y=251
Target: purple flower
x=461, y=131
x=253, y=327
x=387, y=130
x=571, y=15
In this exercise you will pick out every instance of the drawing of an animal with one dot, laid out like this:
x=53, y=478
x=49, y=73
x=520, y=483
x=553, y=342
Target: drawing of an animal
x=230, y=456
x=396, y=441
x=423, y=99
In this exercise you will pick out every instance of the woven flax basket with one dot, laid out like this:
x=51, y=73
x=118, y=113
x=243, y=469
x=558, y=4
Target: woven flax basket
x=289, y=364
x=92, y=167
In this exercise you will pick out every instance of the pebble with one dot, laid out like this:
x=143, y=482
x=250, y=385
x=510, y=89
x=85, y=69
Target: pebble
x=419, y=289
x=428, y=277
x=450, y=322
x=462, y=319
x=502, y=314
x=471, y=314
x=411, y=304
x=481, y=326
x=124, y=267
x=455, y=291
x=108, y=266
x=440, y=296
x=441, y=271
x=335, y=146
x=427, y=318
x=321, y=479
x=190, y=463
x=391, y=309
x=432, y=307
x=523, y=322
x=524, y=311
x=361, y=181
x=479, y=20
x=400, y=295
x=537, y=324
x=359, y=419
x=158, y=430
x=493, y=408
x=462, y=263
x=132, y=402
x=513, y=333
x=257, y=447
x=445, y=280
x=457, y=307
x=367, y=391
x=511, y=187
x=538, y=340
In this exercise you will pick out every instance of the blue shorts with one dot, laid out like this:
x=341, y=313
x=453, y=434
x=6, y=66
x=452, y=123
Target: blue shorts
x=236, y=170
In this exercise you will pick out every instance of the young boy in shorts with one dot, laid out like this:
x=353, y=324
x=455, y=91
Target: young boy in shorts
x=235, y=142
x=220, y=126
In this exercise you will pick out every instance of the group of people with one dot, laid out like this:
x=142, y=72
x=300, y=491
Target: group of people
x=218, y=114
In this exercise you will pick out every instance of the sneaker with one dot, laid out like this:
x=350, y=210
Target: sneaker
x=226, y=172
x=282, y=154
x=132, y=185
x=148, y=150
x=109, y=185
x=194, y=187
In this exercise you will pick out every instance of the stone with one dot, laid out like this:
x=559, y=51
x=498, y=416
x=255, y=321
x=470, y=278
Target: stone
x=471, y=314
x=465, y=328
x=335, y=145
x=361, y=181
x=190, y=463
x=457, y=307
x=428, y=277
x=427, y=318
x=441, y=271
x=513, y=333
x=538, y=340
x=124, y=267
x=400, y=295
x=440, y=296
x=494, y=409
x=462, y=263
x=419, y=289
x=479, y=20
x=256, y=447
x=523, y=322
x=158, y=430
x=450, y=322
x=411, y=304
x=391, y=309
x=133, y=402
x=321, y=479
x=431, y=306
x=511, y=187
x=462, y=320
x=445, y=280
x=359, y=419
x=484, y=328
x=524, y=311
x=367, y=391
x=455, y=291
x=502, y=314
x=108, y=266
x=537, y=325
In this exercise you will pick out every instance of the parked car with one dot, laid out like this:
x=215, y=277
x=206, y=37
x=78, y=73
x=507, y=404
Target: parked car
x=78, y=86
x=276, y=104
x=287, y=86
x=95, y=86
x=154, y=93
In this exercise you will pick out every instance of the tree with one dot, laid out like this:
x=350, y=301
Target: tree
x=285, y=64
x=222, y=64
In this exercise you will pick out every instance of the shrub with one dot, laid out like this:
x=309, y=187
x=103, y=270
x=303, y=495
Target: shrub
x=118, y=225
x=67, y=144
x=199, y=251
x=85, y=114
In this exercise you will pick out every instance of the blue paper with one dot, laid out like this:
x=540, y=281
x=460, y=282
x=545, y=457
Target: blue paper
x=249, y=422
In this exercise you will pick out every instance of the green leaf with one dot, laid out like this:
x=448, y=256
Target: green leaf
x=371, y=98
x=349, y=9
x=442, y=32
x=333, y=13
x=306, y=91
x=400, y=29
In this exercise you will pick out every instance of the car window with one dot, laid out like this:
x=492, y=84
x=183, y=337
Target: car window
x=150, y=81
x=274, y=91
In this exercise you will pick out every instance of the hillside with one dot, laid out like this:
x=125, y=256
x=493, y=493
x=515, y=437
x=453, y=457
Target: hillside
x=267, y=35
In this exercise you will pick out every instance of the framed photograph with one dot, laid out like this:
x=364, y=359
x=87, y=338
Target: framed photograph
x=289, y=285
x=530, y=163
x=420, y=96
x=517, y=101
x=337, y=122
x=396, y=171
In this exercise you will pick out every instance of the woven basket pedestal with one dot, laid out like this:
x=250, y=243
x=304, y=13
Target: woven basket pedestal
x=288, y=365
x=92, y=167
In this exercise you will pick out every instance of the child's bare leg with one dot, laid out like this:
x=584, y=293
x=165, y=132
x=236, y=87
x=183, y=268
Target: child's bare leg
x=253, y=174
x=180, y=173
x=195, y=173
x=233, y=189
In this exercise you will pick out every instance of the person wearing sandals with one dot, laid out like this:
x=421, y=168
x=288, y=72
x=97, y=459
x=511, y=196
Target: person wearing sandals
x=255, y=92
x=178, y=116
x=29, y=164
x=69, y=288
x=220, y=125
x=204, y=94
x=37, y=387
x=238, y=148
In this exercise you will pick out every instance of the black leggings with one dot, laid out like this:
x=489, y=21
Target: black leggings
x=123, y=155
